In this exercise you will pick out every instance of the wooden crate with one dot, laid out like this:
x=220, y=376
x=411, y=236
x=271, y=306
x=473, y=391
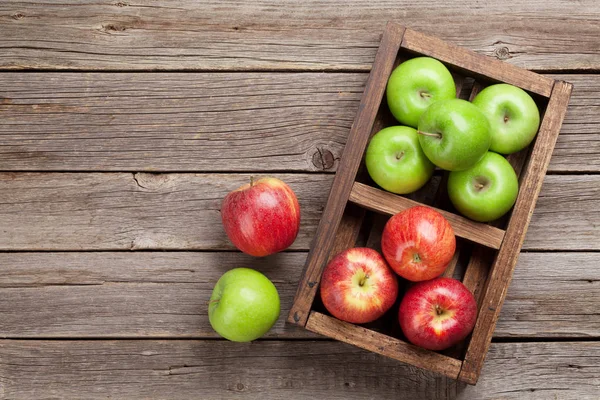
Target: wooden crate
x=491, y=250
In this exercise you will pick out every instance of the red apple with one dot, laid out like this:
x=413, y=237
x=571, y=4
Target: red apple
x=261, y=217
x=437, y=314
x=418, y=243
x=358, y=286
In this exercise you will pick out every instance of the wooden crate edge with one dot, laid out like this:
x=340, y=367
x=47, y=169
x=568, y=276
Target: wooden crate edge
x=382, y=344
x=346, y=174
x=502, y=270
x=475, y=63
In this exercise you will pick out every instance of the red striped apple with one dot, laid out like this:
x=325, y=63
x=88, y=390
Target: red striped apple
x=358, y=286
x=418, y=243
x=261, y=217
x=437, y=314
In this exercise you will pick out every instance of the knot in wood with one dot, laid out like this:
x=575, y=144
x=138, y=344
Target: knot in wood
x=323, y=159
x=114, y=28
x=502, y=53
x=17, y=16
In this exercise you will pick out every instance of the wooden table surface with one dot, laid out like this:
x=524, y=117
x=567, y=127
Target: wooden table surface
x=124, y=123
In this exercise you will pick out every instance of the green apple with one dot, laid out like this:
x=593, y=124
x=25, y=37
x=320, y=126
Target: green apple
x=486, y=191
x=513, y=115
x=244, y=305
x=454, y=134
x=396, y=162
x=416, y=84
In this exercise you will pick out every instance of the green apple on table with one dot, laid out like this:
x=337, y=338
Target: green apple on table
x=416, y=84
x=454, y=134
x=244, y=305
x=513, y=115
x=486, y=191
x=396, y=162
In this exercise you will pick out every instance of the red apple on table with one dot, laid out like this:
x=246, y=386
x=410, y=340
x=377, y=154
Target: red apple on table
x=261, y=217
x=358, y=286
x=437, y=314
x=418, y=243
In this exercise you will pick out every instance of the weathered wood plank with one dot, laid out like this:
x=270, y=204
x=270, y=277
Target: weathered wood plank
x=214, y=121
x=565, y=214
x=191, y=369
x=123, y=211
x=133, y=211
x=157, y=294
x=553, y=295
x=201, y=35
x=170, y=122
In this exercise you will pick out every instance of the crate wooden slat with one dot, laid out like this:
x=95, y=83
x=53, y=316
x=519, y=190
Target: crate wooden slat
x=470, y=61
x=383, y=344
x=496, y=245
x=476, y=272
x=346, y=173
x=389, y=203
x=506, y=260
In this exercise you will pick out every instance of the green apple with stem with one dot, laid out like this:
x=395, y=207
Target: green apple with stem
x=454, y=134
x=395, y=160
x=486, y=191
x=416, y=84
x=244, y=305
x=513, y=115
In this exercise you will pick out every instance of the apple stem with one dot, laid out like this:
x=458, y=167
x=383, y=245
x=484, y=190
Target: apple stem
x=363, y=280
x=212, y=301
x=435, y=135
x=438, y=310
x=251, y=180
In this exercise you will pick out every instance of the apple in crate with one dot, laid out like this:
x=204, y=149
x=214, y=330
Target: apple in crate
x=437, y=314
x=261, y=217
x=358, y=286
x=454, y=134
x=396, y=162
x=513, y=115
x=486, y=191
x=416, y=84
x=418, y=243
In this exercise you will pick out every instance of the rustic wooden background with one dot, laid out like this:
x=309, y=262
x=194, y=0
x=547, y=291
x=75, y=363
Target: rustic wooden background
x=124, y=123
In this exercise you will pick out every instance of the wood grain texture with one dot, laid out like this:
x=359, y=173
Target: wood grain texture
x=133, y=211
x=382, y=344
x=362, y=128
x=191, y=369
x=170, y=122
x=388, y=203
x=274, y=121
x=290, y=35
x=500, y=274
x=114, y=211
x=158, y=294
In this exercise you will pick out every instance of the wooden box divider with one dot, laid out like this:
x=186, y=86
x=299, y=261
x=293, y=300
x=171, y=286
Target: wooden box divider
x=490, y=264
x=388, y=203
